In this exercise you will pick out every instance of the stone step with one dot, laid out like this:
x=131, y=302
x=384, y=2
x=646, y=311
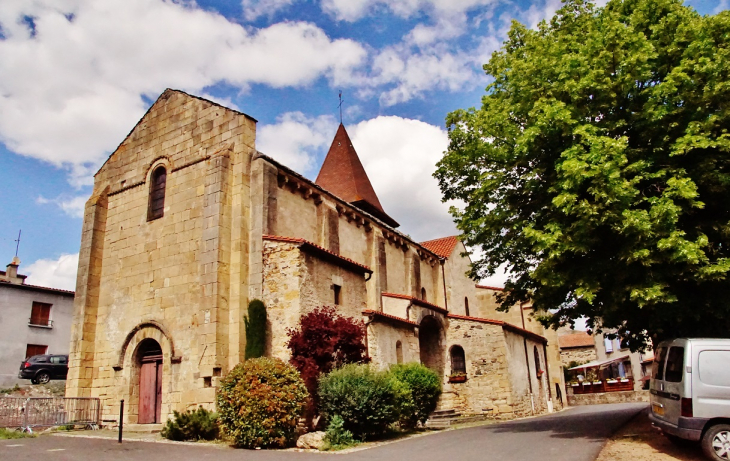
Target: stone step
x=143, y=428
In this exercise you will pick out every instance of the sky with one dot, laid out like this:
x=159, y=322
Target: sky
x=76, y=76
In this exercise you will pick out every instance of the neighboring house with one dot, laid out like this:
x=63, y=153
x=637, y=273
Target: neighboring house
x=577, y=347
x=631, y=366
x=33, y=320
x=188, y=222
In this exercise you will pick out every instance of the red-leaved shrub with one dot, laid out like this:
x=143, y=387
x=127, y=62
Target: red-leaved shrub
x=324, y=341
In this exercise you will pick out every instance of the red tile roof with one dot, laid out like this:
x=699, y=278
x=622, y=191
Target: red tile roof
x=321, y=251
x=443, y=246
x=342, y=174
x=577, y=339
x=36, y=287
x=416, y=301
x=504, y=325
x=394, y=318
x=485, y=287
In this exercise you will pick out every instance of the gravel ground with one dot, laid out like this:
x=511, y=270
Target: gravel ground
x=639, y=441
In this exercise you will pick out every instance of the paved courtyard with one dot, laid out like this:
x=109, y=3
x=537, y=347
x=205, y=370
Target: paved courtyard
x=576, y=434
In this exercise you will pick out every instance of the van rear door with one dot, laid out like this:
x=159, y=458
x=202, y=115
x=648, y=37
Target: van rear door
x=667, y=387
x=711, y=383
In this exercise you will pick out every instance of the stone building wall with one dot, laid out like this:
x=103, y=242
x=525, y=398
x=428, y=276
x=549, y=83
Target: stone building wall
x=578, y=354
x=458, y=285
x=382, y=340
x=488, y=388
x=170, y=278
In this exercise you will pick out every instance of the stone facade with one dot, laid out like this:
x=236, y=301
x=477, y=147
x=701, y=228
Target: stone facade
x=578, y=355
x=237, y=226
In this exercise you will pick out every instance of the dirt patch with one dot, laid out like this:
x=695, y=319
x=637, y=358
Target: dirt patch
x=639, y=441
x=52, y=389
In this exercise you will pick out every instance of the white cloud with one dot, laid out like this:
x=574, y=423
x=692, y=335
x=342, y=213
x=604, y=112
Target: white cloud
x=295, y=140
x=722, y=6
x=254, y=9
x=400, y=157
x=72, y=87
x=353, y=10
x=72, y=206
x=59, y=273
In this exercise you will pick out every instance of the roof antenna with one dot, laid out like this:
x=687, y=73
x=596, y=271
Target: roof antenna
x=340, y=106
x=17, y=245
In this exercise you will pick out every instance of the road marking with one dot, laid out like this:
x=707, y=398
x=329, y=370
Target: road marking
x=16, y=445
x=57, y=449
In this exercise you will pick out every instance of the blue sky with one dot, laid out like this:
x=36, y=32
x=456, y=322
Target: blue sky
x=78, y=74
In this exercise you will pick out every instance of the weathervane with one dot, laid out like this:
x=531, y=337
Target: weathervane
x=340, y=106
x=17, y=244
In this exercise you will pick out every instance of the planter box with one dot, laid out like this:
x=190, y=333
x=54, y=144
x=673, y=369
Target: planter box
x=457, y=379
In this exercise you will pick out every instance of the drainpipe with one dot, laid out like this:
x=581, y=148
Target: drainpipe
x=367, y=343
x=527, y=361
x=547, y=374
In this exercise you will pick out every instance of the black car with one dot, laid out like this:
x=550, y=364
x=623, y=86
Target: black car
x=43, y=368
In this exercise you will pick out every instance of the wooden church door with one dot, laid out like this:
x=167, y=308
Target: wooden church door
x=150, y=388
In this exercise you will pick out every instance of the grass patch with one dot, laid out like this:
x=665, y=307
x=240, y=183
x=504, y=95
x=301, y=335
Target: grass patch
x=6, y=434
x=10, y=390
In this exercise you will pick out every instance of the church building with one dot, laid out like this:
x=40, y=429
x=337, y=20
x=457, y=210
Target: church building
x=188, y=222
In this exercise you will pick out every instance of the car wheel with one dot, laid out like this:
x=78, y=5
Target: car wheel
x=43, y=377
x=716, y=442
x=33, y=381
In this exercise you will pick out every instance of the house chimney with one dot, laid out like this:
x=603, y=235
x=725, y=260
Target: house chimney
x=11, y=273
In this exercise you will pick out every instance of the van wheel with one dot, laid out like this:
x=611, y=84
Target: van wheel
x=716, y=442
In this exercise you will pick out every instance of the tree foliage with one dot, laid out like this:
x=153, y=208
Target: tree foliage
x=323, y=342
x=255, y=324
x=597, y=168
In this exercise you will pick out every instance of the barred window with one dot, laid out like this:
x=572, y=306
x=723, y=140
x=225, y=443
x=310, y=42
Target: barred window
x=157, y=193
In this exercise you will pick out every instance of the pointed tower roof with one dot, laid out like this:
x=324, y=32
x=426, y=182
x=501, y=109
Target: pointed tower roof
x=342, y=174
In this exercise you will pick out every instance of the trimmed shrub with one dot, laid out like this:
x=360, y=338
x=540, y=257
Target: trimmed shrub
x=425, y=387
x=368, y=401
x=336, y=436
x=260, y=402
x=255, y=324
x=324, y=341
x=200, y=424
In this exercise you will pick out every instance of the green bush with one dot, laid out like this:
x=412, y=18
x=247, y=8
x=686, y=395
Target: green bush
x=200, y=424
x=368, y=401
x=255, y=324
x=336, y=436
x=425, y=387
x=260, y=402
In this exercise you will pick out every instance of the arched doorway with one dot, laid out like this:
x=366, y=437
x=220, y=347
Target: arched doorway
x=149, y=361
x=429, y=343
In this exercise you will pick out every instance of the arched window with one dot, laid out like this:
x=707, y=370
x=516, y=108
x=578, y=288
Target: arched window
x=466, y=306
x=458, y=361
x=423, y=293
x=538, y=368
x=157, y=193
x=398, y=352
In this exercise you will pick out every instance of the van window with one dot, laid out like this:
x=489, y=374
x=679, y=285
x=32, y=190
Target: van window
x=675, y=365
x=715, y=368
x=658, y=370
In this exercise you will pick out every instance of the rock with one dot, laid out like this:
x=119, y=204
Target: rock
x=312, y=440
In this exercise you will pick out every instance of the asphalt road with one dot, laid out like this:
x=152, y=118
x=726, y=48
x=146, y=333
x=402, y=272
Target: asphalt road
x=573, y=435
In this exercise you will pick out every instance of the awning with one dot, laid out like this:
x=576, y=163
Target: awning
x=598, y=363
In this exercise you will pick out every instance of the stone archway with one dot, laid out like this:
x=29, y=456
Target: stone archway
x=430, y=344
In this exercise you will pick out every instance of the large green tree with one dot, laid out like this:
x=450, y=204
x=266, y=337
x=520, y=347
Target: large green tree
x=598, y=169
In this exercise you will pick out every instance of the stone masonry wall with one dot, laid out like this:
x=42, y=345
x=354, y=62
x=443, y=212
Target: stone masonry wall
x=577, y=354
x=174, y=279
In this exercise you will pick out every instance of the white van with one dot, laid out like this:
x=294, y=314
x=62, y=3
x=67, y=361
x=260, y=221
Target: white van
x=690, y=392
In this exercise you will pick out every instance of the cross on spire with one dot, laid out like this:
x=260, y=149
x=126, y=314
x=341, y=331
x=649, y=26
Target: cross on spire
x=340, y=106
x=17, y=244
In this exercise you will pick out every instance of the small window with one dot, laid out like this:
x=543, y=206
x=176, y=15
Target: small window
x=338, y=293
x=35, y=349
x=157, y=193
x=538, y=368
x=466, y=306
x=658, y=368
x=675, y=364
x=609, y=345
x=56, y=360
x=423, y=294
x=458, y=360
x=40, y=314
x=398, y=352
